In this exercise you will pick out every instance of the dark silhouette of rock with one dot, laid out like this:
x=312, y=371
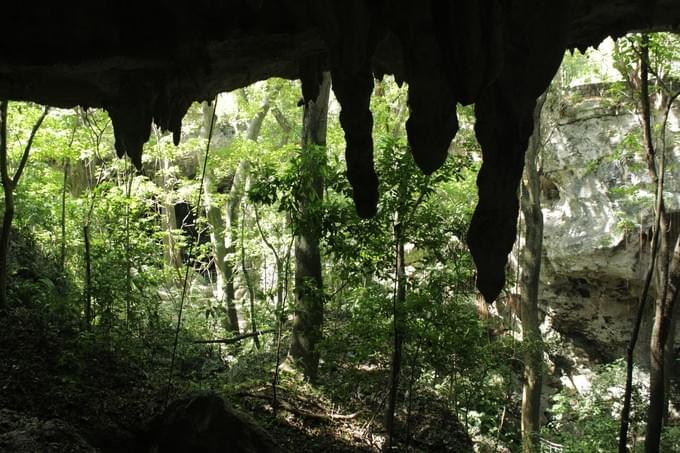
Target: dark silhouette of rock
x=204, y=423
x=20, y=433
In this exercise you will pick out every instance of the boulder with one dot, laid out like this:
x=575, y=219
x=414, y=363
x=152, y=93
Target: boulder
x=20, y=433
x=205, y=423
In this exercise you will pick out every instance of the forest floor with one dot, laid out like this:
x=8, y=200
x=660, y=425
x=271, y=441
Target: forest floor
x=109, y=388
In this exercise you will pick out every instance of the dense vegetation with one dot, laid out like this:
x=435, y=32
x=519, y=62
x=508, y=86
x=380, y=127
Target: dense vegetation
x=130, y=286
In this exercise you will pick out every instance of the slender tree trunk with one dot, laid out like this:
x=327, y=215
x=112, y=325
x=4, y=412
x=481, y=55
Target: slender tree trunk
x=9, y=183
x=248, y=281
x=230, y=234
x=399, y=300
x=282, y=276
x=223, y=270
x=670, y=357
x=128, y=258
x=231, y=215
x=224, y=224
x=62, y=255
x=173, y=256
x=411, y=392
x=88, y=279
x=661, y=333
x=8, y=214
x=630, y=351
x=530, y=264
x=309, y=297
x=7, y=218
x=668, y=278
x=659, y=242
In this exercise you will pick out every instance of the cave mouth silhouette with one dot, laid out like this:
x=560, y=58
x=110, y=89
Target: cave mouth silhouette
x=148, y=61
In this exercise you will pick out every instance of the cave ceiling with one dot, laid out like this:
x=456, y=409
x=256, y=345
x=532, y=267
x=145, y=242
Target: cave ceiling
x=147, y=61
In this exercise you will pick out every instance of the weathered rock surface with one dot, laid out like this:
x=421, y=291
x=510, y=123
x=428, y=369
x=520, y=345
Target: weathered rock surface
x=147, y=61
x=597, y=207
x=23, y=434
x=433, y=427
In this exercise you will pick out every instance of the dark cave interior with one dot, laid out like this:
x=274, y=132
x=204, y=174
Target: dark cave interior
x=148, y=61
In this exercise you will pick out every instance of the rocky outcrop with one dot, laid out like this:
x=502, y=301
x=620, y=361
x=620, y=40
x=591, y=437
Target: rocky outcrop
x=431, y=426
x=20, y=433
x=147, y=61
x=597, y=207
x=204, y=423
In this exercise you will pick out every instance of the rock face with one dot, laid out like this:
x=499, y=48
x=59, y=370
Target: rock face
x=22, y=434
x=597, y=207
x=204, y=423
x=147, y=61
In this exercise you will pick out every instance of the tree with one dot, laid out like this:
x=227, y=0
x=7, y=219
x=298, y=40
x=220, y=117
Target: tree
x=223, y=216
x=224, y=269
x=530, y=264
x=9, y=184
x=398, y=327
x=635, y=64
x=309, y=295
x=668, y=275
x=172, y=249
x=96, y=134
x=417, y=295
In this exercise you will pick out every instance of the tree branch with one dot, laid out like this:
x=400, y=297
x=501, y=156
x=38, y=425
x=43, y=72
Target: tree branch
x=263, y=236
x=6, y=181
x=282, y=121
x=27, y=149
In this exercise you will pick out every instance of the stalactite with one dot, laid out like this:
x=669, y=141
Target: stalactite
x=150, y=62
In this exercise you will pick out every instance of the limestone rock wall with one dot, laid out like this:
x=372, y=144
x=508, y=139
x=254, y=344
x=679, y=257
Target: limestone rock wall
x=597, y=208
